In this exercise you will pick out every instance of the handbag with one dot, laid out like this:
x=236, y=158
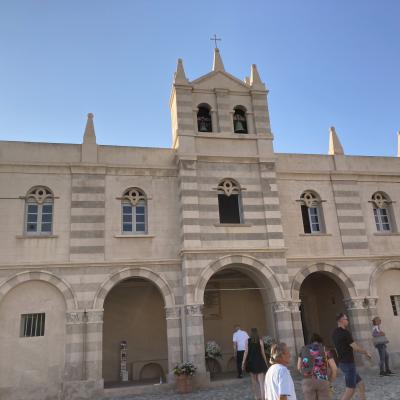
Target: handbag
x=377, y=340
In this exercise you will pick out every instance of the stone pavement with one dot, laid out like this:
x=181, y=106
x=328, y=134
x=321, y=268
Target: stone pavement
x=385, y=388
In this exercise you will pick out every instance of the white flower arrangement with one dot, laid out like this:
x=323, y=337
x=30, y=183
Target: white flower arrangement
x=213, y=350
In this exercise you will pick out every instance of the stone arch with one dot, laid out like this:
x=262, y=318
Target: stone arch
x=378, y=271
x=256, y=268
x=134, y=272
x=345, y=283
x=44, y=276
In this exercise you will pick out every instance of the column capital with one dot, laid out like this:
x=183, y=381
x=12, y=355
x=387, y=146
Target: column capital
x=194, y=310
x=355, y=303
x=281, y=306
x=75, y=317
x=172, y=312
x=372, y=302
x=94, y=316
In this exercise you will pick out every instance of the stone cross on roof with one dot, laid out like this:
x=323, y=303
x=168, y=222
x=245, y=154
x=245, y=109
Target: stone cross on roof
x=215, y=40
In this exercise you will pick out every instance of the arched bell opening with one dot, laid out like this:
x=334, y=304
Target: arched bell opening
x=204, y=121
x=239, y=120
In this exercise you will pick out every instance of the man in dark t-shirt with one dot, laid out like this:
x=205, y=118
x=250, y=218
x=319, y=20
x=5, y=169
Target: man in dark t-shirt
x=345, y=347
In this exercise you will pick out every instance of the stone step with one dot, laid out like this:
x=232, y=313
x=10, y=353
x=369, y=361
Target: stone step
x=136, y=389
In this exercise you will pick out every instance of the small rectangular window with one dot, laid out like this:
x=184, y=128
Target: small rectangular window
x=395, y=301
x=32, y=325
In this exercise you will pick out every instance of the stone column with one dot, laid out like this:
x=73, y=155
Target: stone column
x=174, y=339
x=195, y=342
x=283, y=325
x=360, y=325
x=195, y=126
x=250, y=122
x=94, y=345
x=297, y=326
x=74, y=348
x=83, y=356
x=214, y=121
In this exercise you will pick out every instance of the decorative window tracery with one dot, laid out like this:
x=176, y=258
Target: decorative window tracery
x=311, y=211
x=382, y=209
x=134, y=211
x=229, y=202
x=39, y=211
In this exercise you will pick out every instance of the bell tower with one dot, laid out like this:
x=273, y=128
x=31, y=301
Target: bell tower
x=217, y=113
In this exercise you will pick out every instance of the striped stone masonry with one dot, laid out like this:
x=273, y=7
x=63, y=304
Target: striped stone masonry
x=224, y=111
x=350, y=217
x=269, y=190
x=87, y=217
x=261, y=115
x=189, y=203
x=184, y=116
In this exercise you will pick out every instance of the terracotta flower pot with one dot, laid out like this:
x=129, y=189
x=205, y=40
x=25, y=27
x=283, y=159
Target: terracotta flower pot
x=183, y=383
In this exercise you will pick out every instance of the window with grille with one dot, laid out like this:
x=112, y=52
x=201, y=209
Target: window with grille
x=382, y=212
x=134, y=212
x=32, y=325
x=39, y=211
x=395, y=301
x=311, y=212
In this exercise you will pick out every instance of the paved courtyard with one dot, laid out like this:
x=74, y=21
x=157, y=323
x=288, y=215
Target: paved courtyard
x=385, y=388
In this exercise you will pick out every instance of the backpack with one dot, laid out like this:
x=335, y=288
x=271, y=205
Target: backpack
x=308, y=359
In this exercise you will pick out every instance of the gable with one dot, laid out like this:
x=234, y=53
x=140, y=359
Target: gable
x=219, y=80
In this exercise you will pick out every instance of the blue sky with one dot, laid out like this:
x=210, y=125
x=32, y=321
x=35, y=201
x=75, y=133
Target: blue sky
x=325, y=63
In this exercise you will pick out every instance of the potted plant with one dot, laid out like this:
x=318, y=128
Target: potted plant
x=268, y=342
x=183, y=375
x=213, y=351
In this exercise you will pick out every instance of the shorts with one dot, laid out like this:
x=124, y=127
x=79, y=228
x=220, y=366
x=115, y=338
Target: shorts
x=350, y=374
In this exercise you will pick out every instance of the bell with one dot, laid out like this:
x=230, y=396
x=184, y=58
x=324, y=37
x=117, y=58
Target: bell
x=202, y=125
x=239, y=128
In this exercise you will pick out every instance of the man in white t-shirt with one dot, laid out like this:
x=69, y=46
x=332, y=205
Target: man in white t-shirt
x=278, y=381
x=239, y=346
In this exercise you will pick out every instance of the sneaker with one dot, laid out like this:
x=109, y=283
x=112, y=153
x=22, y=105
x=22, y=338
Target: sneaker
x=382, y=373
x=389, y=372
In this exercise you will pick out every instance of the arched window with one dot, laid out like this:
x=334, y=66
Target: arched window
x=204, y=123
x=134, y=211
x=229, y=202
x=239, y=120
x=383, y=214
x=311, y=211
x=39, y=211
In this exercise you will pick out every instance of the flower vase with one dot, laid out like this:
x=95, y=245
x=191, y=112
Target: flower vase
x=184, y=383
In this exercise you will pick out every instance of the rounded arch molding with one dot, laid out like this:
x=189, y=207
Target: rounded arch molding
x=43, y=276
x=378, y=271
x=134, y=272
x=225, y=262
x=344, y=282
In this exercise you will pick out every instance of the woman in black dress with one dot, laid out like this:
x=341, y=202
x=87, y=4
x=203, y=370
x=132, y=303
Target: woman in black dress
x=256, y=363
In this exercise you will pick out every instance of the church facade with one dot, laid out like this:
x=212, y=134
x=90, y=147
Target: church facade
x=166, y=249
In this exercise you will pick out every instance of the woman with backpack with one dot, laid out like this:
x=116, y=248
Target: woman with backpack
x=255, y=362
x=318, y=369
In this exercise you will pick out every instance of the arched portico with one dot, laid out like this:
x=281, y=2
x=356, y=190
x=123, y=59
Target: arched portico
x=136, y=272
x=275, y=307
x=44, y=276
x=343, y=281
x=132, y=277
x=384, y=301
x=249, y=265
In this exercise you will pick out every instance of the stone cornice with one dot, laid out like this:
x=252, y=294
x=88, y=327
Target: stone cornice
x=108, y=263
x=233, y=251
x=342, y=258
